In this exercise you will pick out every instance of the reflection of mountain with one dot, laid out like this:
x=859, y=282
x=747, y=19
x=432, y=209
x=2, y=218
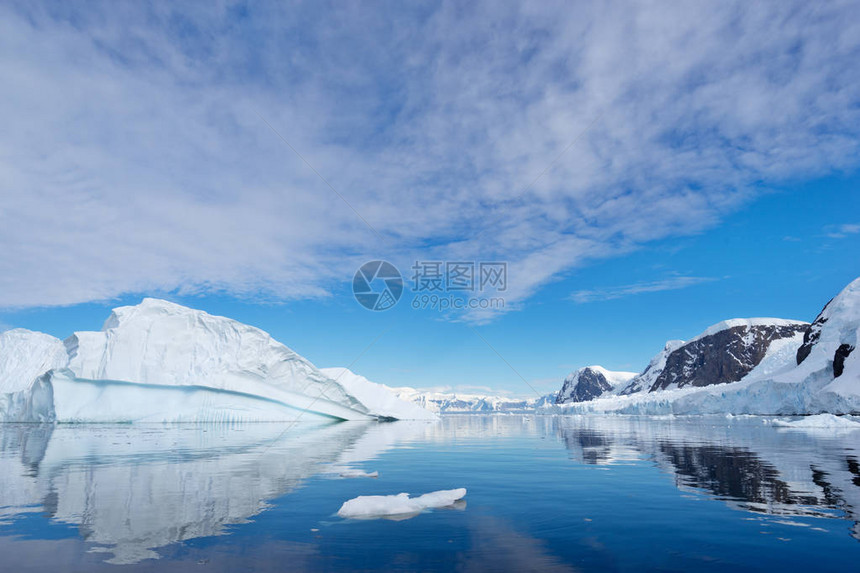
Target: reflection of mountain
x=749, y=465
x=131, y=490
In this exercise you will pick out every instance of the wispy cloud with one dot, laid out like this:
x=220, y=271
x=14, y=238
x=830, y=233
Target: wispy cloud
x=842, y=231
x=611, y=293
x=134, y=158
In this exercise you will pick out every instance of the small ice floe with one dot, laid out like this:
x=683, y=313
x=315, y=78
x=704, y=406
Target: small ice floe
x=819, y=422
x=349, y=474
x=399, y=506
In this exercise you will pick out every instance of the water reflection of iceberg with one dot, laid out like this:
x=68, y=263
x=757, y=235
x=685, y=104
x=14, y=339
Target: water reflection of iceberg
x=747, y=464
x=133, y=489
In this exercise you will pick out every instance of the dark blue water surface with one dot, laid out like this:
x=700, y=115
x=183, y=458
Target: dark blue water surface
x=544, y=494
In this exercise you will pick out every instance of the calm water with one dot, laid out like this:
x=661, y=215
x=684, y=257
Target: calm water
x=544, y=493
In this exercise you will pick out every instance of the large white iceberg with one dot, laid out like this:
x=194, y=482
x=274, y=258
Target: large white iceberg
x=383, y=399
x=163, y=344
x=162, y=362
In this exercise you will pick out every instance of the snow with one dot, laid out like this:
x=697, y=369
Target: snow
x=159, y=344
x=745, y=322
x=26, y=355
x=616, y=379
x=463, y=403
x=777, y=386
x=375, y=506
x=380, y=399
x=823, y=421
x=646, y=379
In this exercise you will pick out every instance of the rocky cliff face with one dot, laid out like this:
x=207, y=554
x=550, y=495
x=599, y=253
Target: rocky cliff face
x=726, y=352
x=586, y=384
x=591, y=382
x=644, y=381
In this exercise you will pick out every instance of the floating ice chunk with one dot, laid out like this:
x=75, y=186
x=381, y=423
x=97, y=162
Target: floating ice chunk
x=819, y=421
x=358, y=474
x=376, y=506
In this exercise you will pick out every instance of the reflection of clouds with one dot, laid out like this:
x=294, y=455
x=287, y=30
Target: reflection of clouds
x=497, y=546
x=747, y=464
x=131, y=490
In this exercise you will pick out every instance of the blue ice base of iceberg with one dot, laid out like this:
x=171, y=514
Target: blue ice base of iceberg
x=59, y=396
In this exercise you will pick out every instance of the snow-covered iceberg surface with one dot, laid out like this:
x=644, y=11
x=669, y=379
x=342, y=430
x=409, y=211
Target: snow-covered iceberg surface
x=162, y=362
x=25, y=356
x=160, y=343
x=400, y=505
x=379, y=398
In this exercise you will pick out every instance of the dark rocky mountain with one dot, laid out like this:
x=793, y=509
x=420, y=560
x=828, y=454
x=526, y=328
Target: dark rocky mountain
x=589, y=383
x=726, y=352
x=812, y=334
x=644, y=381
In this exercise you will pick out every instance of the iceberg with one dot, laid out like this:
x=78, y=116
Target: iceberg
x=25, y=356
x=380, y=398
x=162, y=362
x=162, y=344
x=400, y=505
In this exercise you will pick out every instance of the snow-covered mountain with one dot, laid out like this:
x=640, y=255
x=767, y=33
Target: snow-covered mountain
x=162, y=362
x=591, y=382
x=459, y=403
x=725, y=352
x=646, y=379
x=767, y=366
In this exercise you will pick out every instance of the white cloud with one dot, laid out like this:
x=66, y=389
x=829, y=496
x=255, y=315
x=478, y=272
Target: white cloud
x=842, y=231
x=132, y=158
x=612, y=293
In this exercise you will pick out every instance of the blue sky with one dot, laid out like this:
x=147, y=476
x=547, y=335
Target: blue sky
x=645, y=171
